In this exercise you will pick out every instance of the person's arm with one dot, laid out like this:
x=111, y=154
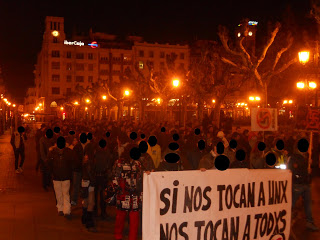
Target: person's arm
x=12, y=141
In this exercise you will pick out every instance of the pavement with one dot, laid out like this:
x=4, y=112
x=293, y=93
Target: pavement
x=27, y=212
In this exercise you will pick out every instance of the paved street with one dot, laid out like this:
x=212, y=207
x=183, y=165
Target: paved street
x=28, y=212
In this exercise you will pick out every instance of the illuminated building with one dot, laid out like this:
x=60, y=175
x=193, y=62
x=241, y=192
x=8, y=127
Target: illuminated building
x=63, y=63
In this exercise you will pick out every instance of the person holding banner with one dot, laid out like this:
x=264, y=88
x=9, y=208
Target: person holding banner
x=207, y=161
x=127, y=177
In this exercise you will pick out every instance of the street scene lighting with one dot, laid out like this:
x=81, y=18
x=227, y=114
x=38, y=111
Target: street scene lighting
x=304, y=57
x=158, y=100
x=61, y=108
x=126, y=92
x=76, y=103
x=104, y=97
x=290, y=101
x=175, y=82
x=251, y=98
x=285, y=101
x=13, y=105
x=257, y=98
x=213, y=100
x=86, y=108
x=312, y=85
x=300, y=85
x=87, y=100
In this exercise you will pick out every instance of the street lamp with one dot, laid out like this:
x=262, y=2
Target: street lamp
x=300, y=85
x=104, y=97
x=88, y=100
x=13, y=105
x=61, y=108
x=126, y=92
x=213, y=101
x=312, y=85
x=176, y=82
x=304, y=57
x=76, y=103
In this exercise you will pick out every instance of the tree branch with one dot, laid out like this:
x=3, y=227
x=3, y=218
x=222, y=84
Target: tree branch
x=279, y=54
x=268, y=44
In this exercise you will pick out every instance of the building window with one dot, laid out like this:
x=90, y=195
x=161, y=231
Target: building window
x=140, y=64
x=181, y=55
x=90, y=55
x=151, y=54
x=90, y=79
x=151, y=64
x=90, y=67
x=79, y=79
x=69, y=78
x=79, y=56
x=68, y=91
x=69, y=66
x=55, y=90
x=79, y=66
x=55, y=54
x=141, y=53
x=104, y=72
x=55, y=40
x=55, y=78
x=161, y=54
x=68, y=54
x=55, y=65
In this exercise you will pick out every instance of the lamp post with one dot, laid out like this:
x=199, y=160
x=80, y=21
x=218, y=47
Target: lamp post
x=176, y=84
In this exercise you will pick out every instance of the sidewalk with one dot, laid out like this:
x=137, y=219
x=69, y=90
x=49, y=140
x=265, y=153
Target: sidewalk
x=27, y=212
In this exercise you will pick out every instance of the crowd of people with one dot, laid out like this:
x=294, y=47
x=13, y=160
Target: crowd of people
x=103, y=162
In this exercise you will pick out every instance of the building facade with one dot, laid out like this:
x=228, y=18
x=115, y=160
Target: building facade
x=63, y=64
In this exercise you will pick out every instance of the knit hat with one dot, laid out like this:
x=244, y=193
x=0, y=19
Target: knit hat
x=220, y=134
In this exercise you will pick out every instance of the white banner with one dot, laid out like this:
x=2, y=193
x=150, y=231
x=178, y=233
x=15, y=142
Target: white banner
x=233, y=204
x=264, y=119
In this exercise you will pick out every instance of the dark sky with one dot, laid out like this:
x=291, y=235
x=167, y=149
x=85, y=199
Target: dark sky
x=21, y=24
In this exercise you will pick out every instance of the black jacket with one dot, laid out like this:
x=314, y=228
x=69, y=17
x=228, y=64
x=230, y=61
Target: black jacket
x=103, y=161
x=60, y=163
x=79, y=153
x=299, y=167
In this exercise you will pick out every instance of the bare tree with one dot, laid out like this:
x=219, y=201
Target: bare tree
x=210, y=78
x=252, y=65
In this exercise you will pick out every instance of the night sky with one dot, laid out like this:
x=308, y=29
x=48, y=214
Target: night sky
x=22, y=24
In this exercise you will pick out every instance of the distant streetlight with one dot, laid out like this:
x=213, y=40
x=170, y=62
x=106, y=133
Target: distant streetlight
x=104, y=97
x=86, y=108
x=158, y=100
x=251, y=98
x=290, y=101
x=40, y=104
x=88, y=100
x=300, y=85
x=312, y=85
x=257, y=98
x=61, y=108
x=13, y=105
x=9, y=103
x=213, y=100
x=304, y=57
x=5, y=99
x=176, y=82
x=76, y=103
x=126, y=92
x=285, y=101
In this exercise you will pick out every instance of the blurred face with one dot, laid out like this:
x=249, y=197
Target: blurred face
x=74, y=142
x=239, y=130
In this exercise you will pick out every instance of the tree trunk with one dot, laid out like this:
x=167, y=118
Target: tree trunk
x=141, y=111
x=216, y=115
x=120, y=110
x=164, y=110
x=265, y=89
x=200, y=110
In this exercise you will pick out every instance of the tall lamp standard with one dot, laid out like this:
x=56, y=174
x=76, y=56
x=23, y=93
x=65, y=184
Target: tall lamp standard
x=176, y=84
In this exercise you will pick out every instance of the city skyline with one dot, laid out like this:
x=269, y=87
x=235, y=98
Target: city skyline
x=165, y=23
